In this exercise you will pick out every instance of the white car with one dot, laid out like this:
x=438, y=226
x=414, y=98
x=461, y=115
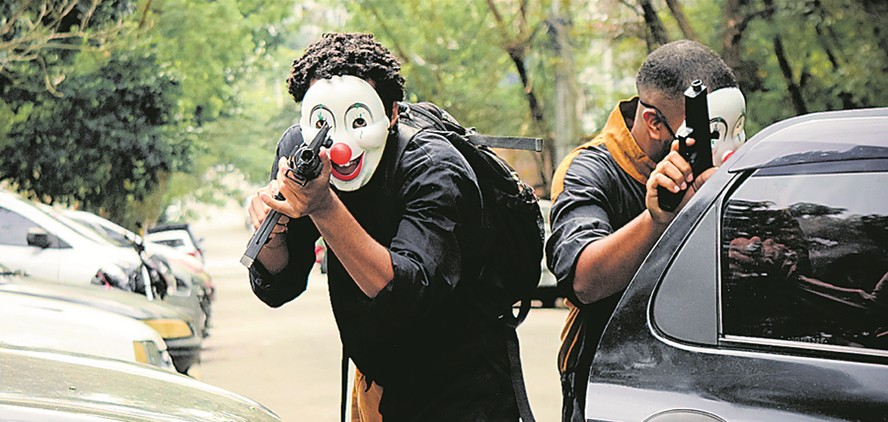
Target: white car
x=177, y=236
x=42, y=246
x=36, y=322
x=39, y=386
x=193, y=289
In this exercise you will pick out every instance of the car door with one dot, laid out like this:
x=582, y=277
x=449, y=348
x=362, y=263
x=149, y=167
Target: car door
x=38, y=259
x=765, y=300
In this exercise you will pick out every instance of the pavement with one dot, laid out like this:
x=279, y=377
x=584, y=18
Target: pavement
x=288, y=359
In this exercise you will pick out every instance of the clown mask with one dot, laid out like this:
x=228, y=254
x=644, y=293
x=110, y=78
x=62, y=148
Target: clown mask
x=727, y=114
x=358, y=127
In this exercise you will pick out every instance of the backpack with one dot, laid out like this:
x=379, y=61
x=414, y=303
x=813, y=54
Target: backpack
x=511, y=212
x=511, y=215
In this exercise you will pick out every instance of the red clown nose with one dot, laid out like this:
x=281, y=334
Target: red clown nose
x=340, y=154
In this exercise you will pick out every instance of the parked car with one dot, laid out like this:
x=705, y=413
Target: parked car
x=36, y=322
x=39, y=386
x=177, y=236
x=33, y=241
x=156, y=273
x=174, y=325
x=766, y=299
x=547, y=291
x=193, y=284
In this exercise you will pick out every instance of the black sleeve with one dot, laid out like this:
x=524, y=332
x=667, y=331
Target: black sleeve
x=579, y=216
x=442, y=212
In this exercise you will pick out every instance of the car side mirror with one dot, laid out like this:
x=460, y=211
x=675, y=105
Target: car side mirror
x=40, y=238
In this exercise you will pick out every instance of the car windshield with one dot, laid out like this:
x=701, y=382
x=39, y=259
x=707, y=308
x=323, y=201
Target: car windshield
x=82, y=229
x=117, y=235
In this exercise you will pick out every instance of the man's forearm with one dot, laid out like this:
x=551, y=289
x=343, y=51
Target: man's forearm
x=275, y=256
x=606, y=266
x=368, y=262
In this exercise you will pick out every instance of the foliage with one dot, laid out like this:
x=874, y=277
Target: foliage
x=104, y=143
x=142, y=87
x=226, y=52
x=794, y=57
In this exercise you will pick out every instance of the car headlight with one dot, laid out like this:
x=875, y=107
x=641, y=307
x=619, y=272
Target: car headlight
x=147, y=352
x=170, y=328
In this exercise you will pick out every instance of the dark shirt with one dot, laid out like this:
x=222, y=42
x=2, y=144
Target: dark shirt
x=595, y=196
x=426, y=338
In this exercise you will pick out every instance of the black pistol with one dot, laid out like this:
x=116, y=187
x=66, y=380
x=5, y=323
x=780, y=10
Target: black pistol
x=699, y=156
x=305, y=165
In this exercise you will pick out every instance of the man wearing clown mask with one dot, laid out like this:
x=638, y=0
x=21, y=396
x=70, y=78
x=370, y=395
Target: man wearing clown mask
x=403, y=235
x=605, y=215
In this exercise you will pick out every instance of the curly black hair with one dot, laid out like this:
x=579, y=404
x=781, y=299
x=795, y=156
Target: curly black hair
x=355, y=54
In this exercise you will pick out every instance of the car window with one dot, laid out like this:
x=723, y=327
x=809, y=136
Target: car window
x=14, y=228
x=173, y=243
x=804, y=262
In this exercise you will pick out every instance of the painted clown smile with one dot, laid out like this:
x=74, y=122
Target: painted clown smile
x=350, y=170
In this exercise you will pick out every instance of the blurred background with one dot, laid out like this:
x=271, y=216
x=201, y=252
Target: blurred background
x=138, y=110
x=133, y=131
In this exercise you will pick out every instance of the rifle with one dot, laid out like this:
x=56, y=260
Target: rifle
x=698, y=156
x=305, y=165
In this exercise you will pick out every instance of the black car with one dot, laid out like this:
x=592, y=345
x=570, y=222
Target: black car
x=767, y=297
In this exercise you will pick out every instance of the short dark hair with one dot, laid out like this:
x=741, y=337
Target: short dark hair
x=355, y=54
x=670, y=69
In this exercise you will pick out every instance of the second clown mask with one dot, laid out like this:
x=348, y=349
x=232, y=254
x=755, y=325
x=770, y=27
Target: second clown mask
x=358, y=127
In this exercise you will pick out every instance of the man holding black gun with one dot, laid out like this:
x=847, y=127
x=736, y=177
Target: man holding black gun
x=403, y=232
x=606, y=211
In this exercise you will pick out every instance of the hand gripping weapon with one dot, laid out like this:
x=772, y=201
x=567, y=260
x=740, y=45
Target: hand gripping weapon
x=305, y=165
x=699, y=156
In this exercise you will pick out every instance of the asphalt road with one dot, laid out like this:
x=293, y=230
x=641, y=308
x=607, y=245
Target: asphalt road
x=288, y=358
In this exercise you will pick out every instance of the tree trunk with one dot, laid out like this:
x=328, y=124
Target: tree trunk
x=795, y=91
x=656, y=31
x=566, y=115
x=682, y=20
x=516, y=48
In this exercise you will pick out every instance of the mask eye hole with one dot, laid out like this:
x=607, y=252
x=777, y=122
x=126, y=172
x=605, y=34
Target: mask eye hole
x=359, y=115
x=321, y=115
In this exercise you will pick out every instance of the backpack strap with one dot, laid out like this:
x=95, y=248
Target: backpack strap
x=343, y=393
x=517, y=375
x=507, y=142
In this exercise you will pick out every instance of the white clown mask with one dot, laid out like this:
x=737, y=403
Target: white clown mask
x=727, y=114
x=358, y=127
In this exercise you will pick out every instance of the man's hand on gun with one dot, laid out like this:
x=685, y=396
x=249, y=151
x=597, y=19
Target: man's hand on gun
x=259, y=209
x=301, y=200
x=675, y=174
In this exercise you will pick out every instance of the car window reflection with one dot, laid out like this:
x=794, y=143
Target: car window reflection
x=805, y=259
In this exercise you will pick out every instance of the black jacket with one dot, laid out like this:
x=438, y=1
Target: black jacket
x=429, y=338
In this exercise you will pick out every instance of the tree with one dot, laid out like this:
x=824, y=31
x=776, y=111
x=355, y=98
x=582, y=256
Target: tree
x=790, y=57
x=109, y=140
x=38, y=32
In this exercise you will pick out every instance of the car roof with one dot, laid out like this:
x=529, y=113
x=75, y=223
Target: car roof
x=817, y=138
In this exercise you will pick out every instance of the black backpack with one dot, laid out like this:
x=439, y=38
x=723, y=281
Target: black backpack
x=511, y=216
